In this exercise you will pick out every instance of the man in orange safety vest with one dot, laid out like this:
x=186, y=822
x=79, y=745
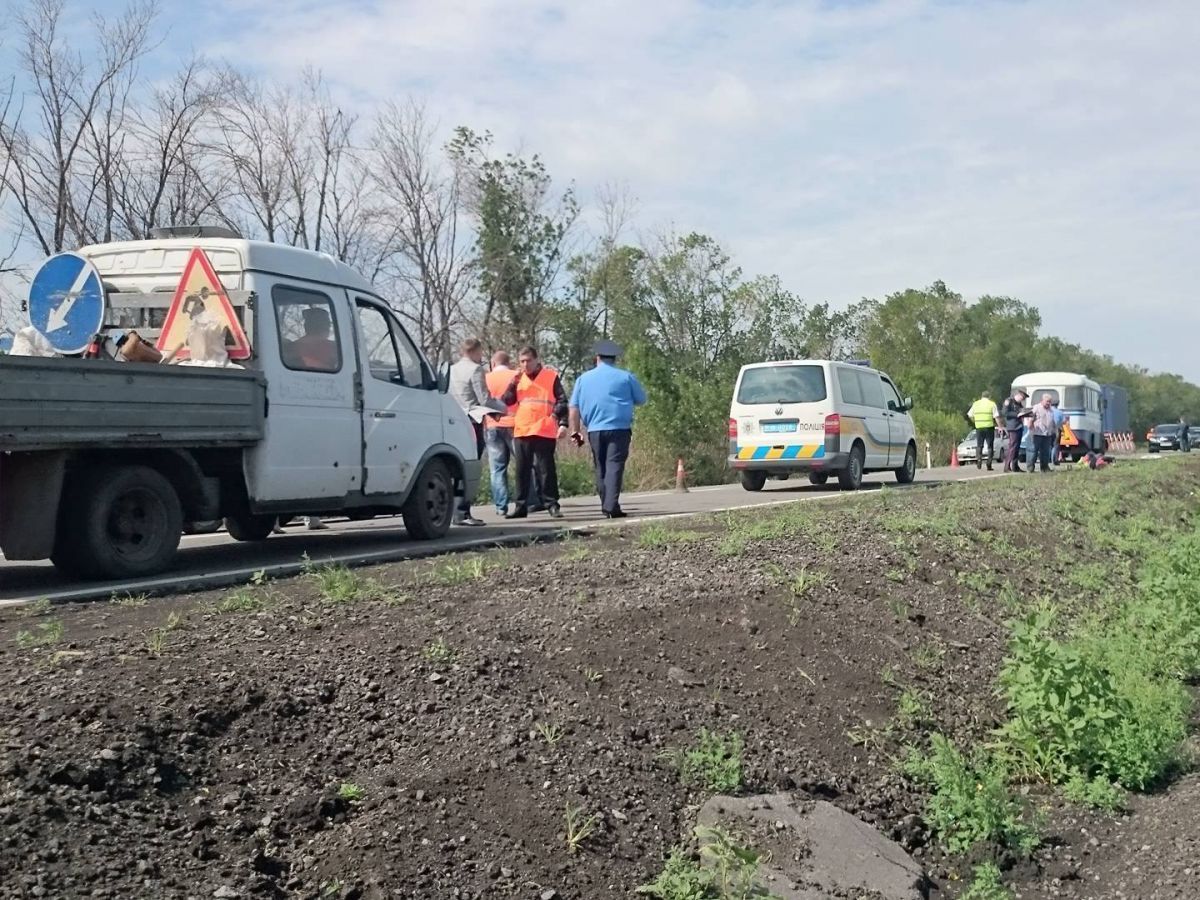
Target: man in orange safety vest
x=539, y=422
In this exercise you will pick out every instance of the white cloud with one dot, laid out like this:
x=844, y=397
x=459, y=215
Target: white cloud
x=1044, y=149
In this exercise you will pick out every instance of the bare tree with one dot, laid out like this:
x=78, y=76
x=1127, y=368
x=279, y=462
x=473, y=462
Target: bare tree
x=59, y=167
x=430, y=265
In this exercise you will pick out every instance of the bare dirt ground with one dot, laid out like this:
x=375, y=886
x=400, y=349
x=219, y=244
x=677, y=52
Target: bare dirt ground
x=420, y=729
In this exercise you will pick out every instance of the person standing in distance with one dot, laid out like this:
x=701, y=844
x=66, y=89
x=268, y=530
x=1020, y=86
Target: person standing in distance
x=469, y=390
x=499, y=433
x=984, y=417
x=539, y=422
x=603, y=401
x=1011, y=413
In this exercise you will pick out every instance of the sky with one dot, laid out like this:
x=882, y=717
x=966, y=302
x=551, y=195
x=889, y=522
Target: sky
x=1043, y=150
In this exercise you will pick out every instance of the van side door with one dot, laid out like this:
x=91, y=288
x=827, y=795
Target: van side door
x=402, y=409
x=312, y=449
x=900, y=424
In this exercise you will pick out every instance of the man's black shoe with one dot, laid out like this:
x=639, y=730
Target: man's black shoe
x=555, y=512
x=517, y=513
x=537, y=507
x=616, y=514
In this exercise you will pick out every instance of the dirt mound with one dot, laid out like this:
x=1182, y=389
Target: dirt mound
x=428, y=736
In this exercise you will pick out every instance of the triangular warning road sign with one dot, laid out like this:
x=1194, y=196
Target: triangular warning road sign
x=200, y=291
x=1067, y=438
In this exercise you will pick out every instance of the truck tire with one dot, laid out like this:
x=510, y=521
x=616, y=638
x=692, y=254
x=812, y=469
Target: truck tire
x=850, y=478
x=249, y=527
x=752, y=481
x=907, y=473
x=818, y=478
x=122, y=522
x=429, y=509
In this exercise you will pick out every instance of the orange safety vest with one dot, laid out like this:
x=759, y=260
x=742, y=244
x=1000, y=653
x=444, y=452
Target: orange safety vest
x=535, y=405
x=497, y=384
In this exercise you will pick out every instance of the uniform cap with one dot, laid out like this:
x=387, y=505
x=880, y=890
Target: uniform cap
x=607, y=348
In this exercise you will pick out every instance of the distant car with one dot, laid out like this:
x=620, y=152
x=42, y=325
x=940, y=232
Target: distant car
x=1166, y=437
x=966, y=450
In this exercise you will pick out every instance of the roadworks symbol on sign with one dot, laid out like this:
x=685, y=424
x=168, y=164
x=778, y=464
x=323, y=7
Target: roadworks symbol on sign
x=199, y=292
x=1067, y=438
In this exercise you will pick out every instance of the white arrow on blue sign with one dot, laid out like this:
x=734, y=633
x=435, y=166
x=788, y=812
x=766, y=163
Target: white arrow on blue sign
x=66, y=302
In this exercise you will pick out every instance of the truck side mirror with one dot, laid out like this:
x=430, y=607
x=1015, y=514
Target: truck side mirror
x=908, y=404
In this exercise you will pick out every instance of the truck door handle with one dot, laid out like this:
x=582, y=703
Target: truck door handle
x=385, y=415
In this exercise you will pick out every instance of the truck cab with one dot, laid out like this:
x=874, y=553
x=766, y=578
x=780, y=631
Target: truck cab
x=352, y=419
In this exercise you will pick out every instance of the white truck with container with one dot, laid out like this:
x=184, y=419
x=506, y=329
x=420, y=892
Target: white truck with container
x=333, y=410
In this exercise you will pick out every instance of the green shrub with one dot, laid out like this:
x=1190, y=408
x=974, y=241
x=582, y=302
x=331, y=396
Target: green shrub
x=971, y=800
x=941, y=430
x=1094, y=792
x=726, y=871
x=1081, y=708
x=715, y=763
x=987, y=884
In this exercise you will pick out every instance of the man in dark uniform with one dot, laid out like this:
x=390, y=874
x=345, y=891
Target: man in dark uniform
x=603, y=401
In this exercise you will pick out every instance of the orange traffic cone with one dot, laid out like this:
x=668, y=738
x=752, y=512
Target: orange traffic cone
x=680, y=477
x=954, y=457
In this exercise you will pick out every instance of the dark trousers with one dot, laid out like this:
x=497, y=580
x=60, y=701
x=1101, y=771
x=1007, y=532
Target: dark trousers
x=610, y=449
x=984, y=436
x=1041, y=450
x=464, y=503
x=1012, y=454
x=530, y=453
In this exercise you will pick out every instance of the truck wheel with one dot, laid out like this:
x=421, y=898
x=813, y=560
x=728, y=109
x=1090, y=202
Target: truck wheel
x=124, y=522
x=818, y=478
x=430, y=506
x=850, y=478
x=907, y=473
x=752, y=481
x=249, y=527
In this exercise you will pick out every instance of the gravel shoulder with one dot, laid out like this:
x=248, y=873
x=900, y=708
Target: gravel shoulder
x=419, y=729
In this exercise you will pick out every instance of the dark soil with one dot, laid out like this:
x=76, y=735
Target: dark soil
x=167, y=749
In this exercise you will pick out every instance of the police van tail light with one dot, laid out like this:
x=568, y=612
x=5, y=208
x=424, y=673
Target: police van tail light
x=733, y=428
x=833, y=424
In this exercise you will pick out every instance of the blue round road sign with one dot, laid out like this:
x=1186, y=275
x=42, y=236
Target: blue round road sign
x=66, y=302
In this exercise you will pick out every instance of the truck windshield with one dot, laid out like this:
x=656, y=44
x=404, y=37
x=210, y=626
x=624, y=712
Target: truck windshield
x=782, y=384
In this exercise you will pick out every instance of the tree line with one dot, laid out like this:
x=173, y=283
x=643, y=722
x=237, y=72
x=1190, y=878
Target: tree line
x=466, y=239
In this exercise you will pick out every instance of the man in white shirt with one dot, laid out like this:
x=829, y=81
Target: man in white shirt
x=469, y=390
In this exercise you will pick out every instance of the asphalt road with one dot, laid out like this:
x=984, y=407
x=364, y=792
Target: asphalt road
x=216, y=559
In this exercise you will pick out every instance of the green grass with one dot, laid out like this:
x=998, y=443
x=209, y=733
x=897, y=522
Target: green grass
x=725, y=870
x=452, y=571
x=43, y=634
x=986, y=884
x=350, y=792
x=579, y=828
x=657, y=535
x=243, y=600
x=971, y=801
x=439, y=652
x=337, y=583
x=714, y=763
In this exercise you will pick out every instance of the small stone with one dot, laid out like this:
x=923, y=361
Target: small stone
x=419, y=796
x=108, y=754
x=225, y=892
x=437, y=678
x=550, y=894
x=684, y=677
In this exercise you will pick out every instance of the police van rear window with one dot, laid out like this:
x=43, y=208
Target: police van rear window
x=782, y=384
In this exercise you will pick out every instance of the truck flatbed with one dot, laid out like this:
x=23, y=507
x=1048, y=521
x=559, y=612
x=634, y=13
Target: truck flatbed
x=65, y=403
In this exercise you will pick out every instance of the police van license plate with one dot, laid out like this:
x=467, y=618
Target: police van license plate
x=776, y=427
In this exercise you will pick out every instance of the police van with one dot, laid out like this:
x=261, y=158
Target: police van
x=820, y=418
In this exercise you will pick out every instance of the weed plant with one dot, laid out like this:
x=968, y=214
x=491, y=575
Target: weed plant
x=726, y=870
x=987, y=884
x=971, y=801
x=714, y=763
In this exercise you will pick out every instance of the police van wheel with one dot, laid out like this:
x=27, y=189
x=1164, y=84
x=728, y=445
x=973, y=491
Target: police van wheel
x=125, y=521
x=850, y=478
x=752, y=481
x=907, y=473
x=430, y=507
x=818, y=478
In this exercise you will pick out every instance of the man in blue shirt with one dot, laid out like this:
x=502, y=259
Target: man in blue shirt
x=603, y=401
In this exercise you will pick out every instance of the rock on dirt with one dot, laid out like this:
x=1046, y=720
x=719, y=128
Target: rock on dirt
x=819, y=850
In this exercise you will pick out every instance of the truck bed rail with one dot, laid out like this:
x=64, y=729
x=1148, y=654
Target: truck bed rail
x=74, y=403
